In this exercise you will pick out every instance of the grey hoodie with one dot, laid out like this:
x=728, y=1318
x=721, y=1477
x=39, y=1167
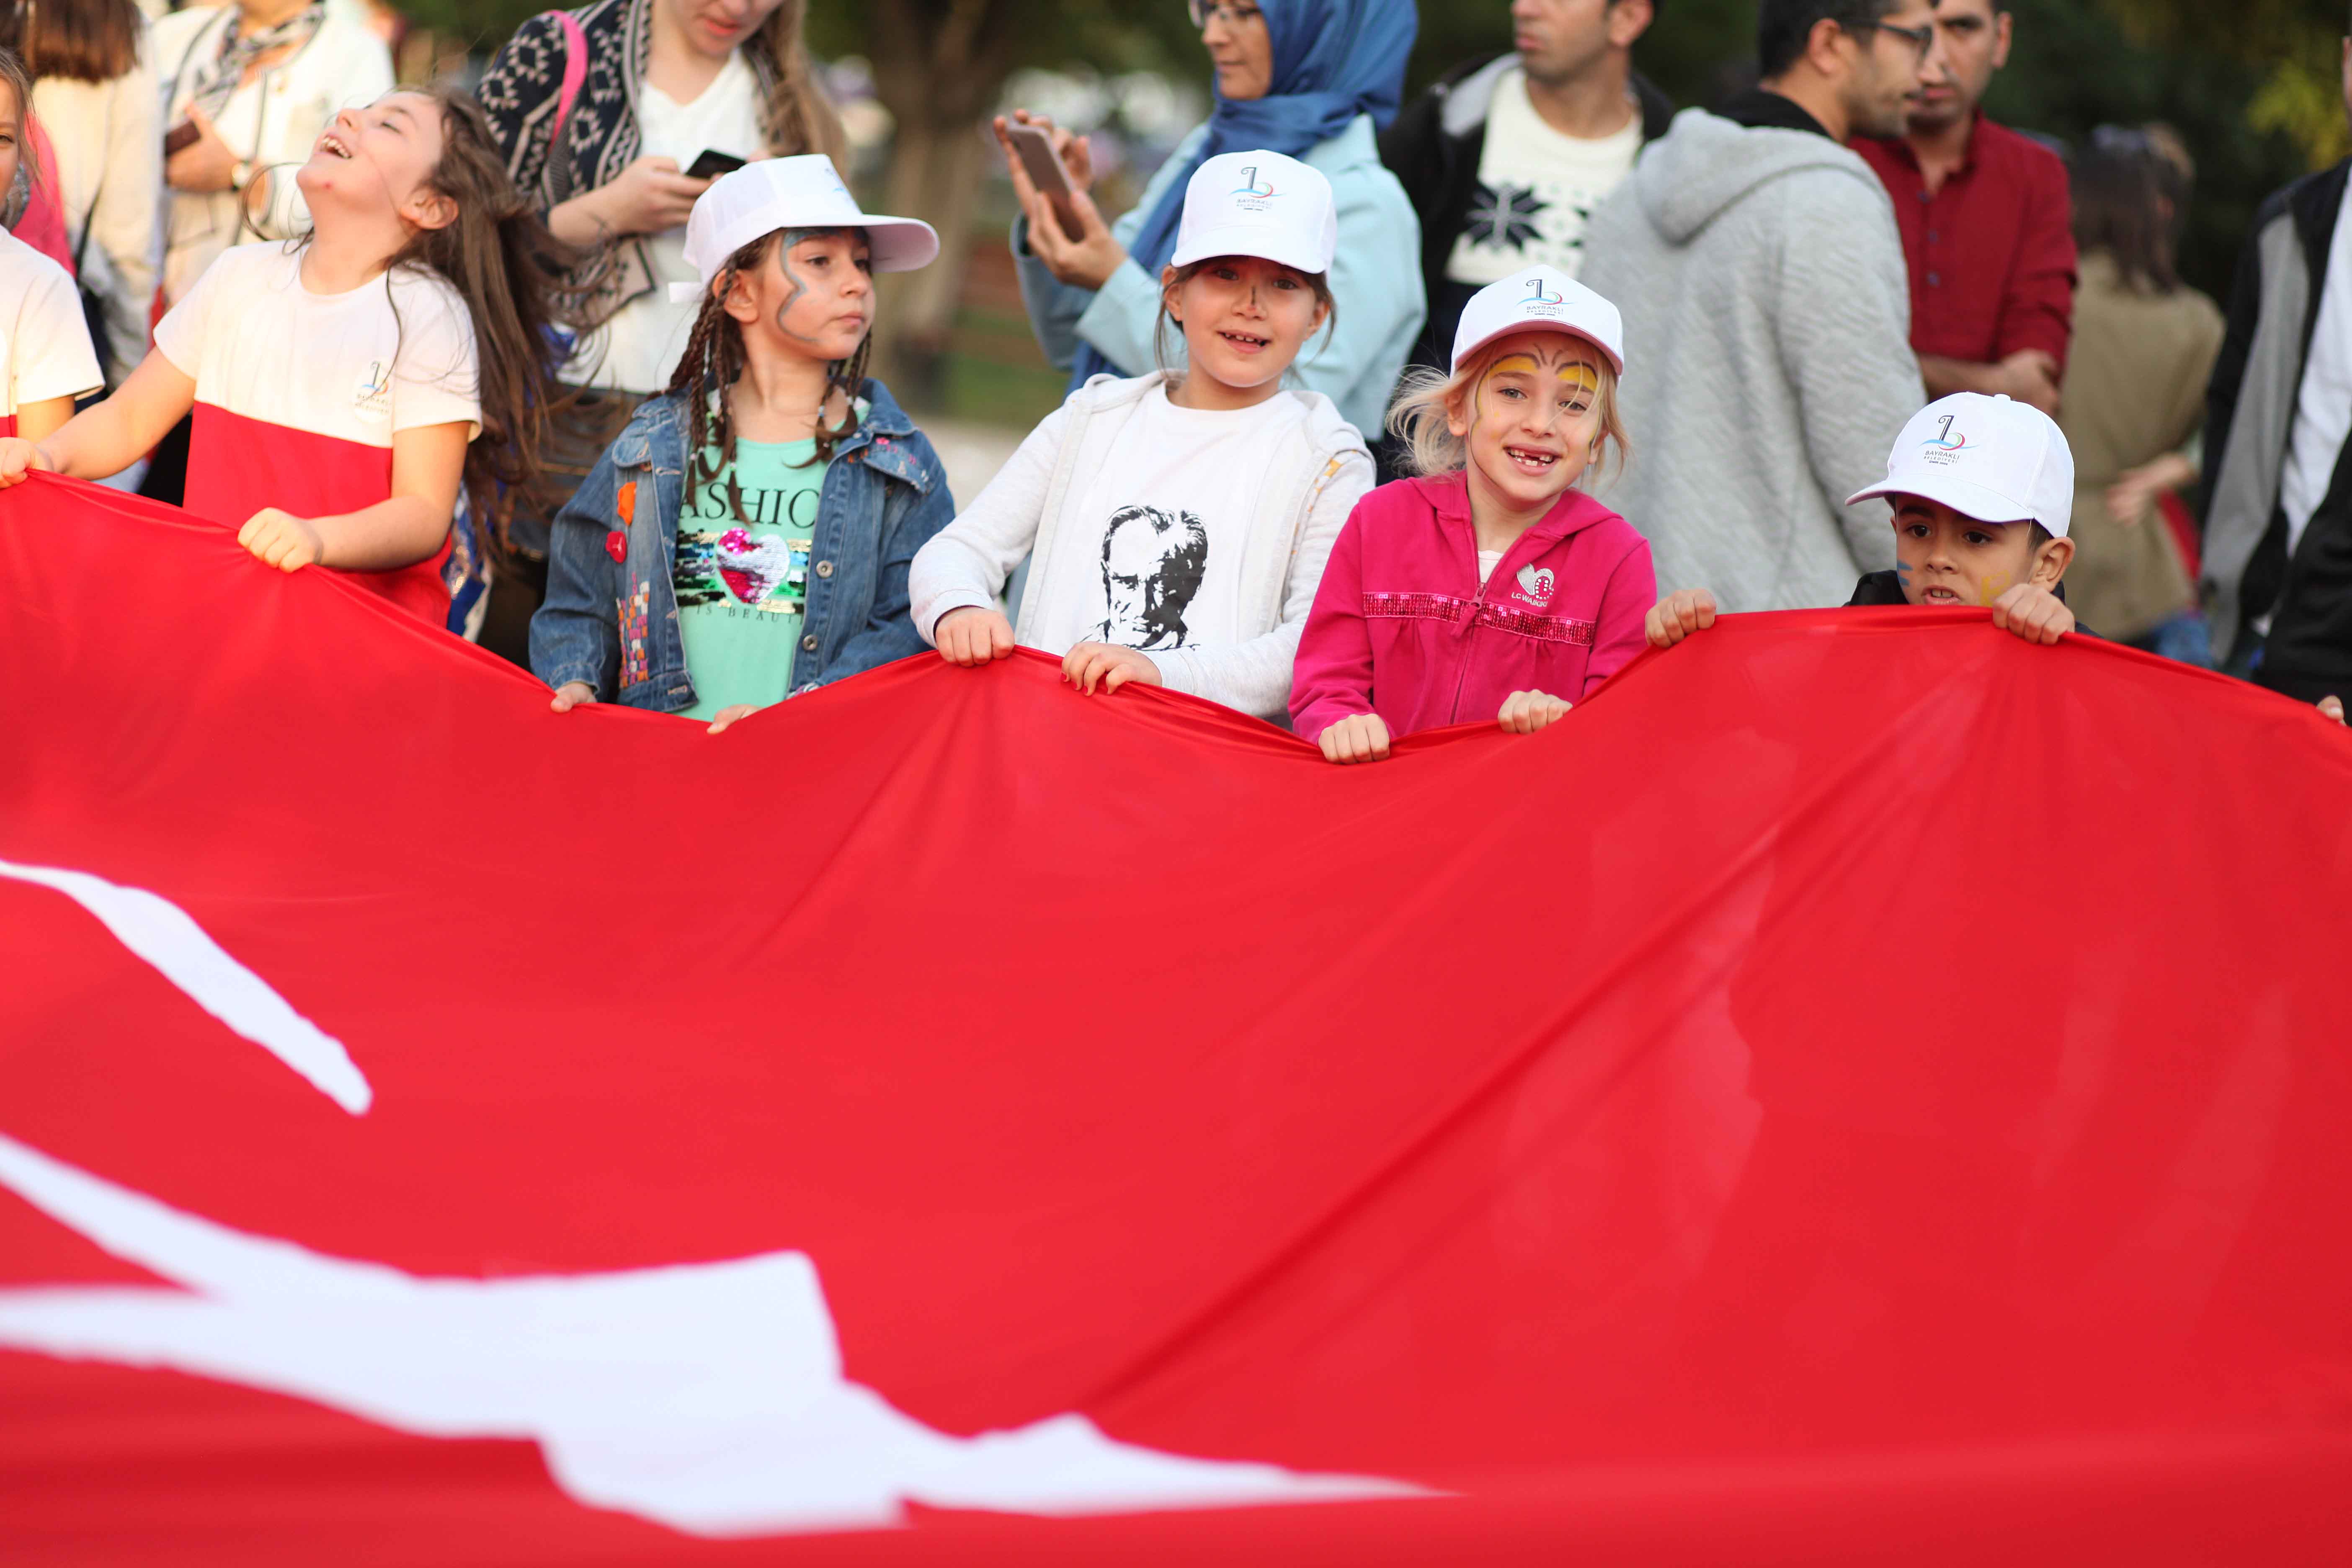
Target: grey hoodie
x=1768, y=360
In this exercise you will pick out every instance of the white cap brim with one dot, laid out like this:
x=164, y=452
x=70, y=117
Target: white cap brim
x=1979, y=502
x=1565, y=329
x=894, y=244
x=1268, y=244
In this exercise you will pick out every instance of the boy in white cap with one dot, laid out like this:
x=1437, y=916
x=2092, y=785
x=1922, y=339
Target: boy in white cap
x=1493, y=586
x=1983, y=489
x=726, y=552
x=1176, y=523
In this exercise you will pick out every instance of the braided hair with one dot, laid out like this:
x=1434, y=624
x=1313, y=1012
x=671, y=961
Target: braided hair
x=715, y=360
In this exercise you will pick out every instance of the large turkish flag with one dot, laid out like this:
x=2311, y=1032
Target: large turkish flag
x=1860, y=1087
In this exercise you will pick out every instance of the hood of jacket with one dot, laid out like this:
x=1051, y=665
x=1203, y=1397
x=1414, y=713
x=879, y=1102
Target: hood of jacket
x=1706, y=164
x=1466, y=94
x=1448, y=495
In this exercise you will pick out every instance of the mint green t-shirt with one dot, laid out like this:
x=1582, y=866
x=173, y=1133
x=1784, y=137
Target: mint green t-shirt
x=742, y=587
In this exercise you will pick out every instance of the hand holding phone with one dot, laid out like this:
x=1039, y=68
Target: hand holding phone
x=1034, y=147
x=713, y=163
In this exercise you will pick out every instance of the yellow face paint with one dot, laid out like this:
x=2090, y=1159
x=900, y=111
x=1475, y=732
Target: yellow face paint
x=1580, y=375
x=1992, y=587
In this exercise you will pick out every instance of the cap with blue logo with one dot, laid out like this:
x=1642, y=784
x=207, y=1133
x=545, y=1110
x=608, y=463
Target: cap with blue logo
x=1258, y=204
x=1540, y=299
x=1991, y=458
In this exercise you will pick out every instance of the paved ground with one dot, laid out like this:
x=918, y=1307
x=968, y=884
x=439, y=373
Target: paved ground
x=973, y=452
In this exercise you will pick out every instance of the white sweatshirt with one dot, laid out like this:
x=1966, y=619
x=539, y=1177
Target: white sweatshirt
x=1198, y=538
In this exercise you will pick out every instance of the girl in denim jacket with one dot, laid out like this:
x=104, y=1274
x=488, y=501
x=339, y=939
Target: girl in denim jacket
x=747, y=537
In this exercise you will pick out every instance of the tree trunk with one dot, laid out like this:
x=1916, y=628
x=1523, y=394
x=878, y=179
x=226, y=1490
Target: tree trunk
x=938, y=66
x=935, y=172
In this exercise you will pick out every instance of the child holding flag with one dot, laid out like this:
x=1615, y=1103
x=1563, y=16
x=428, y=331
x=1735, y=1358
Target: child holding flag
x=340, y=382
x=1177, y=525
x=1493, y=583
x=1983, y=489
x=747, y=534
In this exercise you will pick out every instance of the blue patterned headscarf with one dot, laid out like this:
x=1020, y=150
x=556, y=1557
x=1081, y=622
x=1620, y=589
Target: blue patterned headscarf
x=1333, y=60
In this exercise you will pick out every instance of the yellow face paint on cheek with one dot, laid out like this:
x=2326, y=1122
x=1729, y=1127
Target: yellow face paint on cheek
x=1992, y=587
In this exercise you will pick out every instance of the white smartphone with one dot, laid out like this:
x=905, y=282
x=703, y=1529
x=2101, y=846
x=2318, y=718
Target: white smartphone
x=1036, y=148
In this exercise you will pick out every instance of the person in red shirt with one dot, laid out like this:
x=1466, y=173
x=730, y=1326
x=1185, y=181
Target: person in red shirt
x=1987, y=225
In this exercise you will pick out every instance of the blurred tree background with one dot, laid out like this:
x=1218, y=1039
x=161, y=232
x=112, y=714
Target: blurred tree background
x=2251, y=86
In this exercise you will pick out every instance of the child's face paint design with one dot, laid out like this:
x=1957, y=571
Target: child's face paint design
x=1533, y=420
x=1944, y=558
x=813, y=296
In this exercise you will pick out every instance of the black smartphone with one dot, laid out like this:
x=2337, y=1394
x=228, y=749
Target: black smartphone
x=713, y=163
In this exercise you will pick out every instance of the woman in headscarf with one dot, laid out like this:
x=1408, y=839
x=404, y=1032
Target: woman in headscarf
x=1312, y=78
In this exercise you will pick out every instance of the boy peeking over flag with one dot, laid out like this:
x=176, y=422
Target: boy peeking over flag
x=1983, y=489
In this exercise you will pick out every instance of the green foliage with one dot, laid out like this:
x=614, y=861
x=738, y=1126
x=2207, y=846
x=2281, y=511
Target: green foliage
x=1104, y=36
x=481, y=25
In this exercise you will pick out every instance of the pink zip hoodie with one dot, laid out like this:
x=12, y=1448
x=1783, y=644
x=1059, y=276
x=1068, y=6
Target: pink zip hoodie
x=1403, y=627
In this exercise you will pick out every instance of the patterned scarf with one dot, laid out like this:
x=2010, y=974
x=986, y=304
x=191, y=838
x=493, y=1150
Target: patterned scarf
x=216, y=80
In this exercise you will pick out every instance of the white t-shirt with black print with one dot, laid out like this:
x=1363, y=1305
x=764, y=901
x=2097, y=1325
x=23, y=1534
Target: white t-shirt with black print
x=1536, y=189
x=1152, y=556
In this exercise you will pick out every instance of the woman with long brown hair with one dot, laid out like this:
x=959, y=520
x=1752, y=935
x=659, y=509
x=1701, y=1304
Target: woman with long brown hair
x=2145, y=344
x=656, y=85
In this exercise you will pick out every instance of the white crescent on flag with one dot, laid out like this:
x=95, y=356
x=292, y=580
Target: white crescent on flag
x=159, y=930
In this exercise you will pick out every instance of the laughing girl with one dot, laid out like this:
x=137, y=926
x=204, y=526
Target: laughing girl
x=347, y=387
x=1493, y=586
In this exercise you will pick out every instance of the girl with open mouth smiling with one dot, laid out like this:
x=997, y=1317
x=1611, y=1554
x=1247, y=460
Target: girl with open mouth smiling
x=1493, y=586
x=1179, y=523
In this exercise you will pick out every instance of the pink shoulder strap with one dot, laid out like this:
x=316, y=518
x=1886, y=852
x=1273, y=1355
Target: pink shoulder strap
x=576, y=70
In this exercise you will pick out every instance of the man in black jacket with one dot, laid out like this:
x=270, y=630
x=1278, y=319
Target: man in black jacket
x=2277, y=504
x=1507, y=157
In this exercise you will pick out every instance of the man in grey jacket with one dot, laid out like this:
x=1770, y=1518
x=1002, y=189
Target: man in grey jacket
x=1768, y=313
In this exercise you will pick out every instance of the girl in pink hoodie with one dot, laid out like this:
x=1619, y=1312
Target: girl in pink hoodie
x=1492, y=584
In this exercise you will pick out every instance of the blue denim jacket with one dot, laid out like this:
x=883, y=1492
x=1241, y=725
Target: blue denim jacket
x=612, y=622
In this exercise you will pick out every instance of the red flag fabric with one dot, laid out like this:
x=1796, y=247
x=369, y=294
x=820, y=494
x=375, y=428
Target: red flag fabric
x=1859, y=1088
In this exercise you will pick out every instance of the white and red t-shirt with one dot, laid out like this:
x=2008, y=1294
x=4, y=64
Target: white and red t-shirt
x=45, y=348
x=298, y=395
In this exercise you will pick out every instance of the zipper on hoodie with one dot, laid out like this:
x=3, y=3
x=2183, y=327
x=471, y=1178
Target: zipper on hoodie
x=1470, y=623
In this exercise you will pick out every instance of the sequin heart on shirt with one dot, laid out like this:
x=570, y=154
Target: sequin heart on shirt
x=751, y=568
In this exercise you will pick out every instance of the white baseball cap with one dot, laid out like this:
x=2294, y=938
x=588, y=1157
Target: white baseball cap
x=1986, y=457
x=1535, y=300
x=1258, y=204
x=803, y=192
